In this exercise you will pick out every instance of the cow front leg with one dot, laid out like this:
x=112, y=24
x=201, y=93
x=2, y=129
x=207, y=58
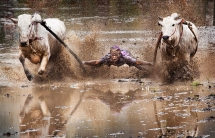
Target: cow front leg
x=44, y=107
x=187, y=57
x=27, y=72
x=25, y=108
x=43, y=64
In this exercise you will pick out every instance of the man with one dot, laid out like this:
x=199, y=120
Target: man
x=118, y=57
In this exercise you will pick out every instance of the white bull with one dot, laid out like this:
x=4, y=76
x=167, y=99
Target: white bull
x=179, y=42
x=35, y=42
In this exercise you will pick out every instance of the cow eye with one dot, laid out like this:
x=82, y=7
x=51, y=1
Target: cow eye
x=173, y=24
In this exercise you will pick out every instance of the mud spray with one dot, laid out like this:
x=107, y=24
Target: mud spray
x=89, y=48
x=64, y=67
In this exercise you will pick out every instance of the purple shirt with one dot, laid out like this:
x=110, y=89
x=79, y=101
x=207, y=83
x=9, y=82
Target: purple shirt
x=125, y=58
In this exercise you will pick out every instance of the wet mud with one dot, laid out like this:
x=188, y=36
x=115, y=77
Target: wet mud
x=121, y=102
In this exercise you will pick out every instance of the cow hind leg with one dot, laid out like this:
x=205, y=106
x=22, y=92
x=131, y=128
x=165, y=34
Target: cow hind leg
x=27, y=72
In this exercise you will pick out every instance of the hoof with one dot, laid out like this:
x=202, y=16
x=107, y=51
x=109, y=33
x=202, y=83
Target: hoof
x=30, y=77
x=41, y=72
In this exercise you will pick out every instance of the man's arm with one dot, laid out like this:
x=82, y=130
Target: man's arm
x=100, y=62
x=142, y=62
x=135, y=62
x=92, y=62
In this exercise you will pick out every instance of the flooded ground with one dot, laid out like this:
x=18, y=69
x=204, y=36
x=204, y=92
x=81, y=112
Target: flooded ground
x=121, y=102
x=108, y=109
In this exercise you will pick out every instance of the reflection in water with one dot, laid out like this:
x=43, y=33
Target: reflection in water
x=113, y=109
x=47, y=110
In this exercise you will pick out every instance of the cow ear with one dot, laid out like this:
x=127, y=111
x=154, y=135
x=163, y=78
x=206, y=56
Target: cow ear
x=14, y=20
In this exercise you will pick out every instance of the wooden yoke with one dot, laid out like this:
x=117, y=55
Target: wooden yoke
x=156, y=47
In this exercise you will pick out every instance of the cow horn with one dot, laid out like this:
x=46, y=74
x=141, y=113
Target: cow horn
x=14, y=20
x=160, y=18
x=177, y=17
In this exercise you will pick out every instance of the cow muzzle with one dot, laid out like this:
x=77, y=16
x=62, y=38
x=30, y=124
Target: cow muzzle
x=23, y=40
x=23, y=44
x=165, y=38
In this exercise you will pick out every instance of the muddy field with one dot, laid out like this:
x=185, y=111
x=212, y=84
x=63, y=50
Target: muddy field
x=121, y=102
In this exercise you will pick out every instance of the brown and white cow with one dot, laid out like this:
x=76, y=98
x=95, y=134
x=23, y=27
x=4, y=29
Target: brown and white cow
x=35, y=42
x=178, y=39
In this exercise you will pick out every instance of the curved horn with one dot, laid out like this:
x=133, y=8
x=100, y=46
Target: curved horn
x=177, y=17
x=14, y=20
x=160, y=18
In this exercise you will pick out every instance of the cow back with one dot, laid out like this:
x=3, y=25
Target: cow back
x=49, y=43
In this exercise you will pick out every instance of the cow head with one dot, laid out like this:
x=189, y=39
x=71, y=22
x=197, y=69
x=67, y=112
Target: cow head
x=26, y=27
x=170, y=25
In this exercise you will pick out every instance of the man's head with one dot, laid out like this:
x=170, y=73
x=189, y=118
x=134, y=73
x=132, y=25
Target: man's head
x=115, y=53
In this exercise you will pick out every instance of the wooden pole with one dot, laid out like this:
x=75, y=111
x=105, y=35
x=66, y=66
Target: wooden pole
x=156, y=47
x=43, y=23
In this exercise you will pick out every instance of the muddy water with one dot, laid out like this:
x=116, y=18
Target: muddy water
x=108, y=109
x=106, y=102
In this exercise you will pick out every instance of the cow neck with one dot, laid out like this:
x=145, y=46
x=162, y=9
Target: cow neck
x=181, y=32
x=33, y=33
